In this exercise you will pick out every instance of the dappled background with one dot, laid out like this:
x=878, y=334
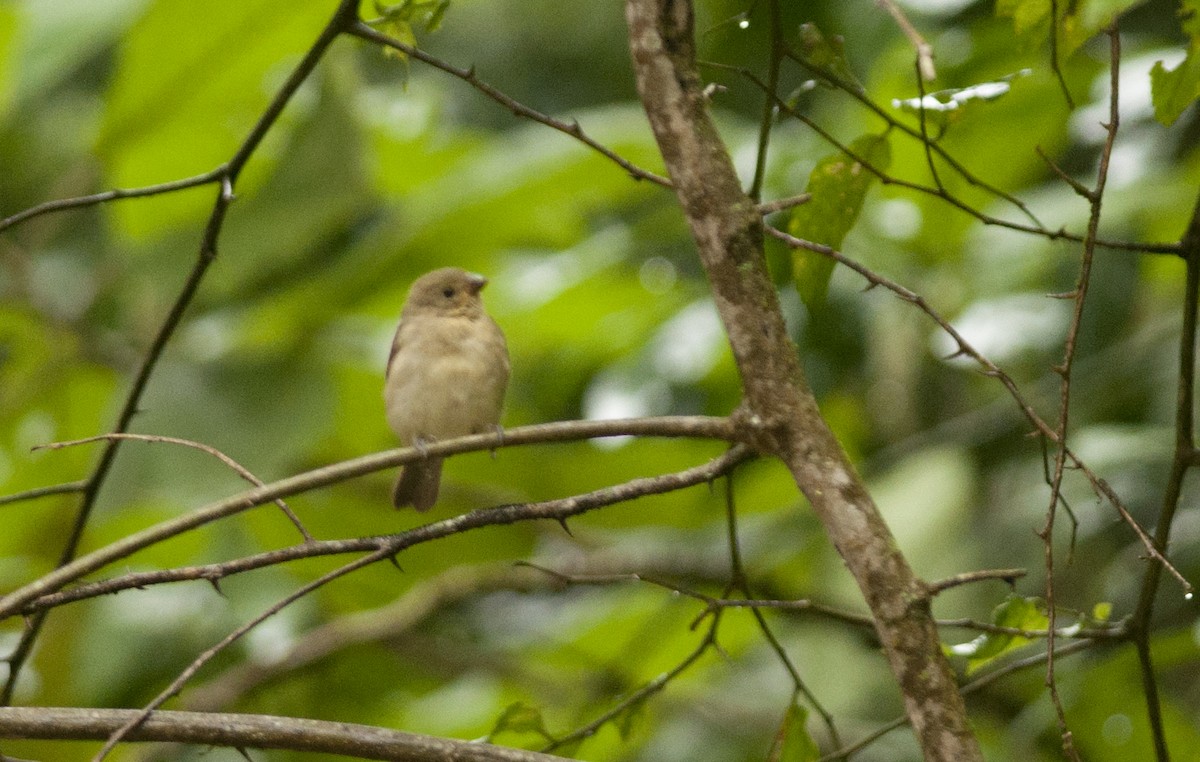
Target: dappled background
x=382, y=169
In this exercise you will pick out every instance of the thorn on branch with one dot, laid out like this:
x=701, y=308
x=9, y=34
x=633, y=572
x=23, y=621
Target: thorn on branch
x=216, y=585
x=393, y=559
x=562, y=522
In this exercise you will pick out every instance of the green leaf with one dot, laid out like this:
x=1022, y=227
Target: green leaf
x=399, y=29
x=1102, y=611
x=1086, y=18
x=838, y=185
x=792, y=742
x=520, y=717
x=1173, y=90
x=1017, y=613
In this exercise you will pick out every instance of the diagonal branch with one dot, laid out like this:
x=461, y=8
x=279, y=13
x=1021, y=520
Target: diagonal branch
x=362, y=30
x=779, y=407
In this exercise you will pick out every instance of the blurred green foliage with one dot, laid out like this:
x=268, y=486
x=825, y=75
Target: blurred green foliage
x=380, y=170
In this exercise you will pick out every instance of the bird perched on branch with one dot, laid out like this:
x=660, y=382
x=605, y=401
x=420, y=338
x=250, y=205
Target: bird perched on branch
x=446, y=375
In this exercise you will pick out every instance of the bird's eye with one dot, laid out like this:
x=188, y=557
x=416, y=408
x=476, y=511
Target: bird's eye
x=448, y=292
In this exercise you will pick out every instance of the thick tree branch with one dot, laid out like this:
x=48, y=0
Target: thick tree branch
x=253, y=731
x=778, y=404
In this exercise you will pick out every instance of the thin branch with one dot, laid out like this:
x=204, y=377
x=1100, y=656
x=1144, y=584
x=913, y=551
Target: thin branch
x=926, y=142
x=1080, y=292
x=1183, y=459
x=66, y=488
x=1054, y=60
x=420, y=602
x=345, y=14
x=1116, y=631
x=116, y=194
x=208, y=654
x=856, y=92
x=990, y=369
x=925, y=68
x=966, y=578
x=739, y=580
x=986, y=219
x=767, y=119
x=363, y=31
x=652, y=687
x=236, y=467
x=253, y=731
x=968, y=689
x=771, y=207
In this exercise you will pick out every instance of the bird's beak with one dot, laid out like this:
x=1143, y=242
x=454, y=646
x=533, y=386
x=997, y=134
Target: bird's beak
x=476, y=282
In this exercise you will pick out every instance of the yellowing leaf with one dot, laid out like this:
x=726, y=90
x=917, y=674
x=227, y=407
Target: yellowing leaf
x=792, y=742
x=838, y=185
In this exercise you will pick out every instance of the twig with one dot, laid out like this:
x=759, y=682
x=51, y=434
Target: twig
x=361, y=30
x=1054, y=62
x=1080, y=292
x=1183, y=459
x=236, y=467
x=925, y=68
x=966, y=578
x=116, y=194
x=767, y=120
x=1036, y=229
x=990, y=369
x=65, y=488
x=739, y=580
x=971, y=687
x=771, y=207
x=177, y=684
x=641, y=694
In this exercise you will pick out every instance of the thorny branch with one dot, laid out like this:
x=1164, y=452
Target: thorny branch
x=226, y=178
x=990, y=369
x=236, y=467
x=389, y=546
x=18, y=600
x=1095, y=198
x=362, y=30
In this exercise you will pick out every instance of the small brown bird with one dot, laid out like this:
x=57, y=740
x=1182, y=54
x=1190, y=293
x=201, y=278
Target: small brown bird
x=446, y=375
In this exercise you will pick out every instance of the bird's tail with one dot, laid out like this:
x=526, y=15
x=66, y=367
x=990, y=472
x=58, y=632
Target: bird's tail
x=418, y=484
